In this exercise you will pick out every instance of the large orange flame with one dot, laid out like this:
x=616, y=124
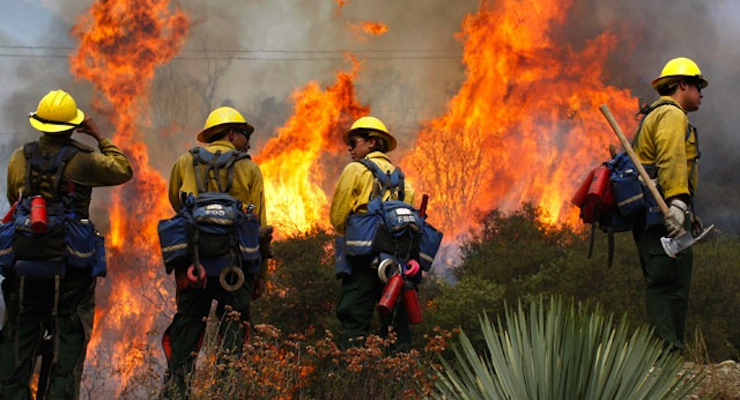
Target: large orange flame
x=298, y=166
x=525, y=125
x=121, y=44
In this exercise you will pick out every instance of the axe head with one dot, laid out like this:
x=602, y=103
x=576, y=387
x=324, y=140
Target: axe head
x=674, y=245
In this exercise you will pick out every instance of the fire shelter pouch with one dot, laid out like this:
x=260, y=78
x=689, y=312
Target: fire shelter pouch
x=341, y=266
x=80, y=241
x=100, y=264
x=174, y=242
x=431, y=239
x=32, y=246
x=360, y=233
x=248, y=235
x=7, y=233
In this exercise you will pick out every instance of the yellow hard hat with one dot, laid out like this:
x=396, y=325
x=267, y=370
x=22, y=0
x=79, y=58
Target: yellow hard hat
x=678, y=69
x=56, y=112
x=375, y=128
x=218, y=118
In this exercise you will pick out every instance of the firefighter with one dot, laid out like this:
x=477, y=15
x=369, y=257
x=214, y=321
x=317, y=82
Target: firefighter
x=225, y=130
x=361, y=289
x=62, y=308
x=667, y=144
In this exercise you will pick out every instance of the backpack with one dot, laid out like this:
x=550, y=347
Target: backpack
x=212, y=229
x=66, y=241
x=613, y=197
x=391, y=228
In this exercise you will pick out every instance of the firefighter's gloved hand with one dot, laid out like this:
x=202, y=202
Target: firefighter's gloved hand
x=676, y=217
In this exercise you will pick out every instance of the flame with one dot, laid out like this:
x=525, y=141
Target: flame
x=368, y=28
x=340, y=4
x=298, y=165
x=525, y=125
x=121, y=43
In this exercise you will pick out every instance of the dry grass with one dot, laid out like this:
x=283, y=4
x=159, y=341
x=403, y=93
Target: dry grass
x=276, y=366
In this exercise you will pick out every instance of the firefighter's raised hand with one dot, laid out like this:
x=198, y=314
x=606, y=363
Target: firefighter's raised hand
x=89, y=127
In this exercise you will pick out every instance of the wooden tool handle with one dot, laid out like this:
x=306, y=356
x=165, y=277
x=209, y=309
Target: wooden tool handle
x=631, y=153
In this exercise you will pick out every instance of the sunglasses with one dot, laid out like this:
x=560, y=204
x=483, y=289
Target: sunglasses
x=243, y=132
x=354, y=141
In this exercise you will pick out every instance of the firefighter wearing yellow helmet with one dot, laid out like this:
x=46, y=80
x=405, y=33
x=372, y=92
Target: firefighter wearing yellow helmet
x=39, y=296
x=668, y=146
x=226, y=133
x=369, y=139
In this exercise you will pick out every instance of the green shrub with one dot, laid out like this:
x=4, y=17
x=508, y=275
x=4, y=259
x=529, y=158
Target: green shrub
x=302, y=292
x=559, y=352
x=528, y=259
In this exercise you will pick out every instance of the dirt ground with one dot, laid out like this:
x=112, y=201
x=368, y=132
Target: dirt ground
x=722, y=380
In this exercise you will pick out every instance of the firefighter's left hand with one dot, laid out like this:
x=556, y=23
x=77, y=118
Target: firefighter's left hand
x=89, y=127
x=697, y=227
x=258, y=287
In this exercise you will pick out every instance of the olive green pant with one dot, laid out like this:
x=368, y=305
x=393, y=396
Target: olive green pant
x=22, y=338
x=360, y=293
x=667, y=283
x=184, y=336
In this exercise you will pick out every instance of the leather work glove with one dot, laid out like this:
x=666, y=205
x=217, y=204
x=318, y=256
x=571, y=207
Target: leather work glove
x=697, y=227
x=676, y=217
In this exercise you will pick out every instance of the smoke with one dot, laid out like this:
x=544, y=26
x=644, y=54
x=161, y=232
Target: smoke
x=253, y=55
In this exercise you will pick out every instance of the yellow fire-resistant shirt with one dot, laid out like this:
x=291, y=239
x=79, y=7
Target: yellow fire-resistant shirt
x=87, y=169
x=355, y=187
x=247, y=184
x=663, y=142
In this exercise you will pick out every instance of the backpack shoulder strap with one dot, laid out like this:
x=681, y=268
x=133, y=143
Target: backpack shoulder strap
x=28, y=150
x=211, y=164
x=647, y=109
x=394, y=182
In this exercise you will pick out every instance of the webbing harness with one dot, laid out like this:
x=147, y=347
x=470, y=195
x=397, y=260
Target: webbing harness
x=386, y=181
x=48, y=170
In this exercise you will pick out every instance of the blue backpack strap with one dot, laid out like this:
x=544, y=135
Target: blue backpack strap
x=395, y=181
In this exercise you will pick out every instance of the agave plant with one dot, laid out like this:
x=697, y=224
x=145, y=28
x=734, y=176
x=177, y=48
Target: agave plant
x=562, y=353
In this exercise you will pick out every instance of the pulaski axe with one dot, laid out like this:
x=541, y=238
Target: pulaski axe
x=684, y=239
